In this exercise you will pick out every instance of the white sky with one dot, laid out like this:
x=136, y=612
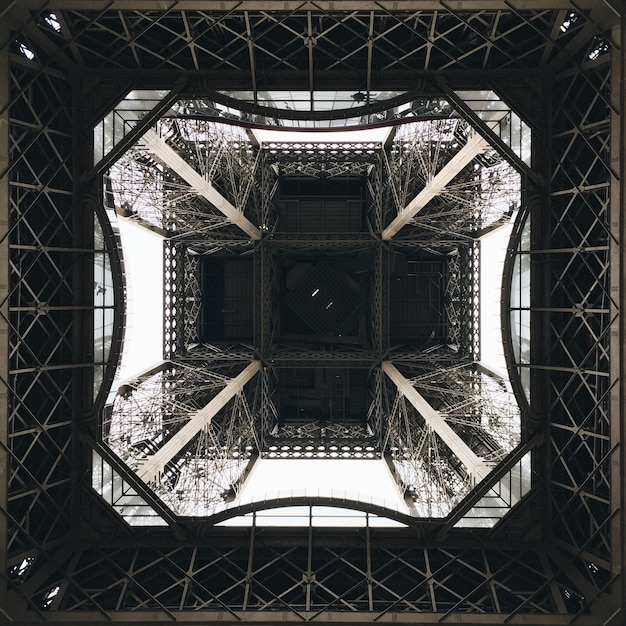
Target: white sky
x=366, y=135
x=492, y=252
x=143, y=259
x=353, y=478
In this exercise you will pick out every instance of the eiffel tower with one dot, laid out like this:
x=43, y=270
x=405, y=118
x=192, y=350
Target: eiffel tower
x=311, y=312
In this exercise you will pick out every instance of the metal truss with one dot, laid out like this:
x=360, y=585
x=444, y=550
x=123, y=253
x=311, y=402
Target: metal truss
x=405, y=157
x=476, y=404
x=424, y=158
x=378, y=578
x=222, y=154
x=447, y=195
x=470, y=294
x=266, y=298
x=580, y=279
x=430, y=477
x=376, y=210
x=157, y=146
x=328, y=160
x=67, y=555
x=160, y=415
x=320, y=356
x=452, y=298
x=173, y=307
x=312, y=440
x=380, y=312
x=149, y=426
x=193, y=297
x=471, y=206
x=315, y=243
x=441, y=409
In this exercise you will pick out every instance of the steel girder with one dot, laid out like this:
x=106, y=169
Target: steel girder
x=68, y=556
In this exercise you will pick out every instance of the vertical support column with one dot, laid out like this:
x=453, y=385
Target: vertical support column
x=368, y=558
x=266, y=414
x=309, y=576
x=618, y=327
x=380, y=301
x=4, y=292
x=431, y=581
x=263, y=298
x=375, y=188
x=469, y=338
x=84, y=214
x=250, y=569
x=378, y=409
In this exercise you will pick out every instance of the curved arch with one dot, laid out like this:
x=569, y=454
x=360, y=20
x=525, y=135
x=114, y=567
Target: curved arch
x=313, y=500
x=309, y=129
x=507, y=329
x=113, y=248
x=328, y=115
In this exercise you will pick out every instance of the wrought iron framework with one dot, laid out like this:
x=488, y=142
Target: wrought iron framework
x=68, y=555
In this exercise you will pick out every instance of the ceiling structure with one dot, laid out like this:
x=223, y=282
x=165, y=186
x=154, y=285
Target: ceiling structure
x=153, y=113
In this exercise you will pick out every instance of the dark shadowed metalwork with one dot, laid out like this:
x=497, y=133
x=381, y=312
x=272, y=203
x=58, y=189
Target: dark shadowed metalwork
x=95, y=97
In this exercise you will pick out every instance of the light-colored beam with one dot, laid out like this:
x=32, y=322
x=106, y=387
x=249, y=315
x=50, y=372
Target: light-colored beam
x=150, y=468
x=475, y=145
x=477, y=468
x=159, y=148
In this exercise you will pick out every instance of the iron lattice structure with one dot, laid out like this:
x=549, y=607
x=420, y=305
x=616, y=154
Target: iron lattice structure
x=67, y=554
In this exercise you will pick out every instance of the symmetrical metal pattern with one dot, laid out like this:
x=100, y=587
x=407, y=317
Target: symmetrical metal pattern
x=216, y=159
x=557, y=559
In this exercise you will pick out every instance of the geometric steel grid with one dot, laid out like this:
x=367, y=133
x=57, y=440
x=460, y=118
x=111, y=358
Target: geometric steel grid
x=556, y=559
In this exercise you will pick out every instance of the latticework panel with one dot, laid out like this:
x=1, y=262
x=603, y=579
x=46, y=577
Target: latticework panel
x=43, y=266
x=360, y=576
x=69, y=556
x=580, y=325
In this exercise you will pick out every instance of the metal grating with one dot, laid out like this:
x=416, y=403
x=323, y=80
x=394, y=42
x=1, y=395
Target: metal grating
x=323, y=299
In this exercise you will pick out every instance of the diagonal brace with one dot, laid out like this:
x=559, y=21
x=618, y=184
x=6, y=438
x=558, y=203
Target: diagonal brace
x=477, y=468
x=150, y=468
x=475, y=145
x=159, y=148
